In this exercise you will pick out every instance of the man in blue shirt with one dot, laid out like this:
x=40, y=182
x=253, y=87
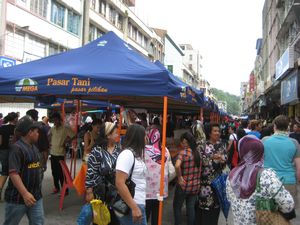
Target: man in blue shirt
x=282, y=154
x=255, y=126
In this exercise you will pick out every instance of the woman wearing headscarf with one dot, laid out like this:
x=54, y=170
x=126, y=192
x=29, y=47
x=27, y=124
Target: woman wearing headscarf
x=153, y=157
x=241, y=183
x=213, y=162
x=102, y=165
x=199, y=134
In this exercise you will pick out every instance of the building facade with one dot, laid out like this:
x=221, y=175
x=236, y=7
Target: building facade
x=277, y=63
x=32, y=29
x=192, y=59
x=172, y=53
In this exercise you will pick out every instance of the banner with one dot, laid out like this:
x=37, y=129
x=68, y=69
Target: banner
x=289, y=88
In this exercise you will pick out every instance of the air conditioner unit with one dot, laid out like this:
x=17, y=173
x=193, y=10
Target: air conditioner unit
x=298, y=62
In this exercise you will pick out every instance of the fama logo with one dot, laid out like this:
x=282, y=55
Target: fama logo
x=26, y=85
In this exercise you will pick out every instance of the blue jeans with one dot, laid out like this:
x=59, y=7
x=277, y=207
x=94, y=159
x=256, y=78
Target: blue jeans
x=15, y=212
x=127, y=220
x=190, y=201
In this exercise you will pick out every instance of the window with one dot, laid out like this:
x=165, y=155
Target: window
x=112, y=15
x=39, y=7
x=55, y=49
x=102, y=7
x=134, y=33
x=145, y=43
x=191, y=57
x=36, y=46
x=14, y=43
x=58, y=14
x=139, y=38
x=94, y=33
x=73, y=22
x=93, y=4
x=129, y=30
x=120, y=22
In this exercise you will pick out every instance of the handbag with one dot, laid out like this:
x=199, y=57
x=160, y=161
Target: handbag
x=86, y=215
x=101, y=214
x=266, y=209
x=119, y=204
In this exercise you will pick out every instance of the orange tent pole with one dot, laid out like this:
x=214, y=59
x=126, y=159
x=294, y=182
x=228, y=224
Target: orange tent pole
x=78, y=109
x=120, y=123
x=163, y=152
x=63, y=112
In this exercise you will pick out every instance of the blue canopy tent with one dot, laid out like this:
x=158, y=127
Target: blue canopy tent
x=73, y=103
x=105, y=69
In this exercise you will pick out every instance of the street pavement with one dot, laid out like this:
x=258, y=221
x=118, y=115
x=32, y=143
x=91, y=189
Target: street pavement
x=73, y=202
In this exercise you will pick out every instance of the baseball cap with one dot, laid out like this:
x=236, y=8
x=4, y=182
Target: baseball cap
x=25, y=124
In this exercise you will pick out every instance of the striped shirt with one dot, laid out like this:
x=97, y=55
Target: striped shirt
x=100, y=164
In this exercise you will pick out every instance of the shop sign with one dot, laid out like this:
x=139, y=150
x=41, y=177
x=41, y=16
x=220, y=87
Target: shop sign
x=7, y=62
x=289, y=88
x=170, y=68
x=285, y=63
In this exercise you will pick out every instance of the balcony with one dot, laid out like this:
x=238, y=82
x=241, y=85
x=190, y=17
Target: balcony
x=288, y=16
x=130, y=3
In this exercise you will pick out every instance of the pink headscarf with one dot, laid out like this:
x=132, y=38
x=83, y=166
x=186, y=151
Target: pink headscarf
x=243, y=177
x=154, y=147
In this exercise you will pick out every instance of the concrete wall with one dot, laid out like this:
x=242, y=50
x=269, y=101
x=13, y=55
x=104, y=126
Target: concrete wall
x=173, y=57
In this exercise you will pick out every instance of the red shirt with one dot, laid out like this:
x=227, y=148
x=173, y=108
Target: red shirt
x=190, y=172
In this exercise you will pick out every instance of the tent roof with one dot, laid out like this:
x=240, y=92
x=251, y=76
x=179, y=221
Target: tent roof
x=101, y=70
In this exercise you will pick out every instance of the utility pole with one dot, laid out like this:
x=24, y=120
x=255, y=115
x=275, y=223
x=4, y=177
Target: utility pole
x=86, y=22
x=2, y=25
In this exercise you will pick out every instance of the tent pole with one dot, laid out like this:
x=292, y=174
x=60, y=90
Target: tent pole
x=78, y=109
x=120, y=123
x=163, y=152
x=63, y=112
x=201, y=114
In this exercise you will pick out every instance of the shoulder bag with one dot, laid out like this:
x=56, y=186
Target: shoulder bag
x=266, y=209
x=119, y=204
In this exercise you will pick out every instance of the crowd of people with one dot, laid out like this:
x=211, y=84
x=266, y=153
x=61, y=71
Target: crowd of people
x=126, y=175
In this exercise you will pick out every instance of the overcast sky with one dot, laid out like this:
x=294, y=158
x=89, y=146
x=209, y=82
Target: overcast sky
x=224, y=31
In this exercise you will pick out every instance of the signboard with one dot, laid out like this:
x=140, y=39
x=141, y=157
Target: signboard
x=170, y=68
x=6, y=62
x=289, y=88
x=285, y=63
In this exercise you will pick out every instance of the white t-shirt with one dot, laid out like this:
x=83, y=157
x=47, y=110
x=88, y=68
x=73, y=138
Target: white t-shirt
x=232, y=137
x=247, y=130
x=124, y=164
